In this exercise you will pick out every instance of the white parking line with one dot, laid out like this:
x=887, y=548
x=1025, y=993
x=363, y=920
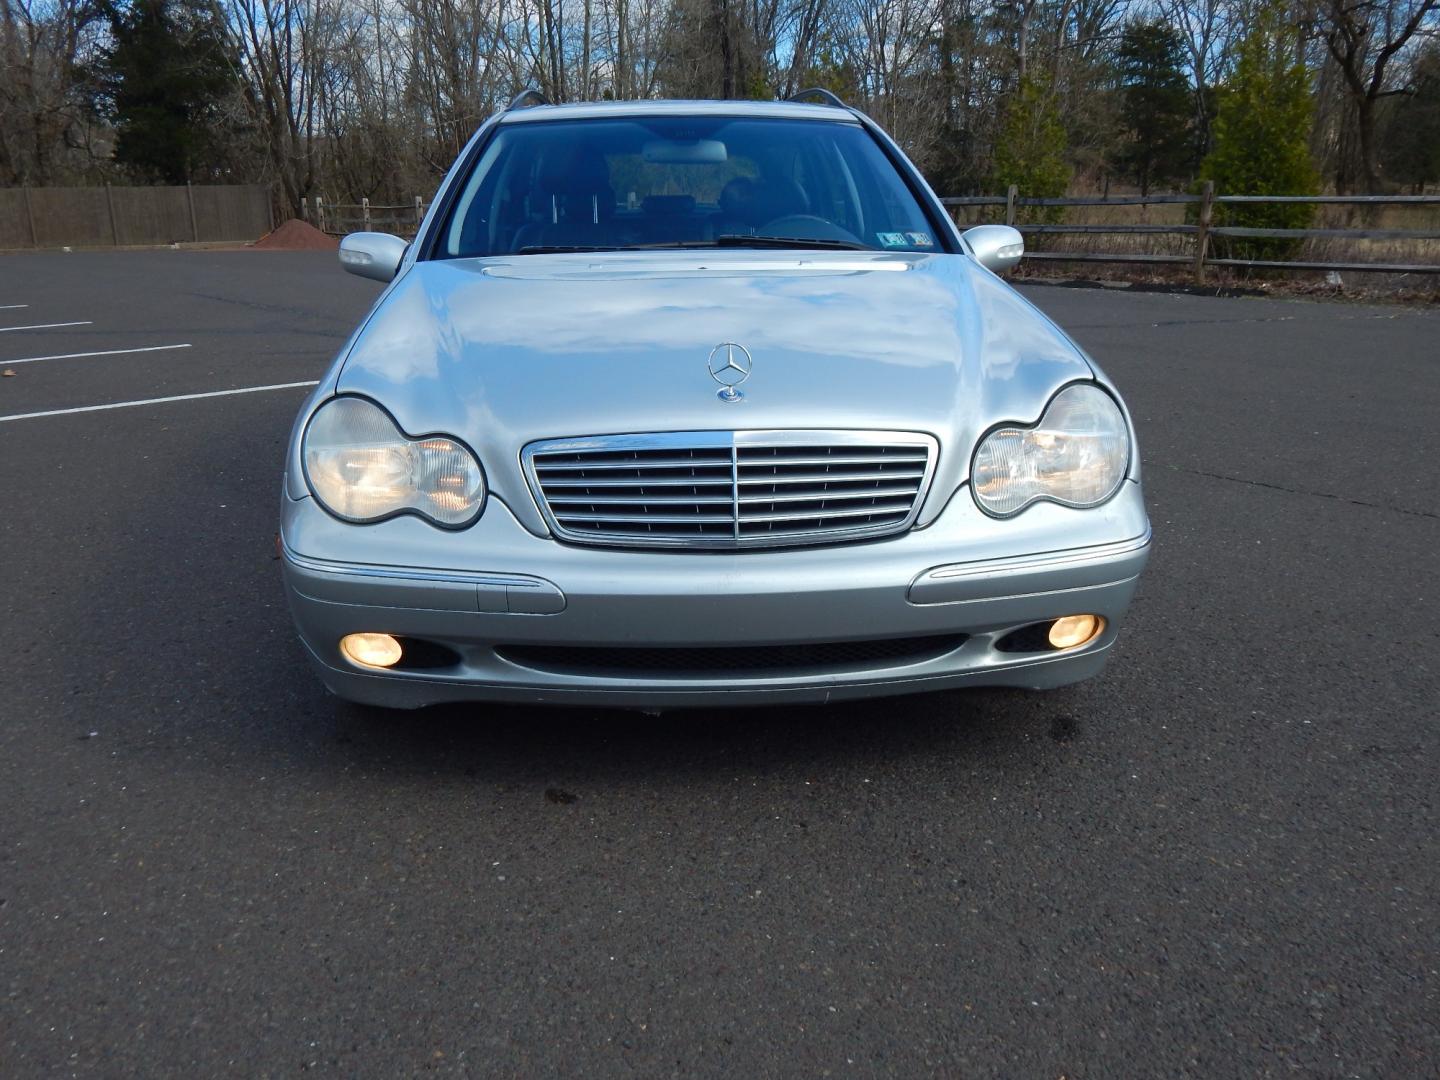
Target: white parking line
x=12, y=307
x=102, y=352
x=45, y=326
x=157, y=401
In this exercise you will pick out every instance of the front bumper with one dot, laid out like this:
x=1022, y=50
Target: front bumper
x=496, y=584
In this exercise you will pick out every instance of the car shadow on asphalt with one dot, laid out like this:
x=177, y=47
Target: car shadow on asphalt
x=574, y=745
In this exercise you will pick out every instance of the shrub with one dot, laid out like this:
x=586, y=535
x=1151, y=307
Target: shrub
x=1030, y=150
x=1261, y=139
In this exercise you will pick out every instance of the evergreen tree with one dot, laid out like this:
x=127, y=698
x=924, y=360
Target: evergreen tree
x=167, y=73
x=1030, y=148
x=1156, y=104
x=1262, y=136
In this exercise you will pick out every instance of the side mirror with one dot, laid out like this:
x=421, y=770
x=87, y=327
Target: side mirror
x=372, y=254
x=996, y=247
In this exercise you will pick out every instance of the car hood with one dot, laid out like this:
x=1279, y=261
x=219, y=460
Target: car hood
x=501, y=352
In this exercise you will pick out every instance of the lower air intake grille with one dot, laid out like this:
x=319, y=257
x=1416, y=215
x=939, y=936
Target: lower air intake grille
x=731, y=489
x=729, y=660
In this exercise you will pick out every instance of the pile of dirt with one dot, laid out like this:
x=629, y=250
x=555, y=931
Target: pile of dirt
x=296, y=235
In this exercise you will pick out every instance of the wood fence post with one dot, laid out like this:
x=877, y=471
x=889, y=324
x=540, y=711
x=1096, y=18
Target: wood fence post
x=110, y=206
x=365, y=211
x=319, y=213
x=1202, y=234
x=30, y=217
x=304, y=208
x=419, y=212
x=1010, y=195
x=190, y=201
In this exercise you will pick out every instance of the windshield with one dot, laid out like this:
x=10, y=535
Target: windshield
x=683, y=181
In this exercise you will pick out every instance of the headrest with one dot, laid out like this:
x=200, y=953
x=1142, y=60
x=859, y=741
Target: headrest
x=579, y=187
x=584, y=174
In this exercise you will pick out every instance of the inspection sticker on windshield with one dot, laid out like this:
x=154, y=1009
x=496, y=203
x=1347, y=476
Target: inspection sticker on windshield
x=920, y=239
x=891, y=239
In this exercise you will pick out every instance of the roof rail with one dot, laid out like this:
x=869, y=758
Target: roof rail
x=528, y=98
x=819, y=91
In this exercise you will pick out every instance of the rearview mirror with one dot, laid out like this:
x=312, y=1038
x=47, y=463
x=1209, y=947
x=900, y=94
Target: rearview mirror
x=684, y=152
x=996, y=247
x=372, y=254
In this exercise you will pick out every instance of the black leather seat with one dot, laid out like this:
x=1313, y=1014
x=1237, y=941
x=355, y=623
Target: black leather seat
x=577, y=206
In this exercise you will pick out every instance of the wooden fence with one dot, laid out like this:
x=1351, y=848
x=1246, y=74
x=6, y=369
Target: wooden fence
x=339, y=219
x=1204, y=231
x=121, y=216
x=404, y=219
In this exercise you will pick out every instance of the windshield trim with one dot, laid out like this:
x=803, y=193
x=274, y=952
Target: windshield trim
x=631, y=110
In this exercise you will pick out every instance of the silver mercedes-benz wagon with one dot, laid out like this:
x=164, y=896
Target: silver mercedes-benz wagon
x=685, y=403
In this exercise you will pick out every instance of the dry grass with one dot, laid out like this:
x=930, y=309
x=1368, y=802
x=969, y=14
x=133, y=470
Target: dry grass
x=1328, y=216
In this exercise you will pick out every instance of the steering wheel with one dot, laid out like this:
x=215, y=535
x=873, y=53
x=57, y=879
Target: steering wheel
x=807, y=227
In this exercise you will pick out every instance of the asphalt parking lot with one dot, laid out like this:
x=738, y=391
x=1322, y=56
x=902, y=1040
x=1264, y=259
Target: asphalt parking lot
x=1222, y=858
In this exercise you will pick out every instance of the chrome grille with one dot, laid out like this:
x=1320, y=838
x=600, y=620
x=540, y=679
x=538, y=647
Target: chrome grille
x=731, y=489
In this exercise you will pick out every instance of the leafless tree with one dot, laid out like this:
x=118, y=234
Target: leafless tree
x=375, y=98
x=1366, y=38
x=1210, y=30
x=45, y=127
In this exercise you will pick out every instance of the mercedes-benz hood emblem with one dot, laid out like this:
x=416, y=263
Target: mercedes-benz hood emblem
x=730, y=366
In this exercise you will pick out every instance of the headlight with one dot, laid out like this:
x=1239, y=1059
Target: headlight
x=362, y=467
x=1076, y=455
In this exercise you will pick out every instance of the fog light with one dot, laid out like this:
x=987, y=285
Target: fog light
x=371, y=650
x=1074, y=630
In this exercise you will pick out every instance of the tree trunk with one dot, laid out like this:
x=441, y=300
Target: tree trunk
x=720, y=9
x=1369, y=152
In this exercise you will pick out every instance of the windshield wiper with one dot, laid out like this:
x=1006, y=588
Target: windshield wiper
x=746, y=240
x=561, y=249
x=724, y=240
